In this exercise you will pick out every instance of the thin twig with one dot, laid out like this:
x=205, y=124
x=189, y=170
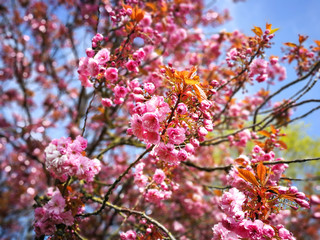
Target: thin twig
x=112, y=187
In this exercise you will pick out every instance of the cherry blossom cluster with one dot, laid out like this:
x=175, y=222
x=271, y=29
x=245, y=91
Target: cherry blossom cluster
x=261, y=70
x=251, y=205
x=51, y=214
x=65, y=158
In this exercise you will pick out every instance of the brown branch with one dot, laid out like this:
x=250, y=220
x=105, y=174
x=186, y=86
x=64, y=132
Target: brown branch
x=137, y=213
x=299, y=179
x=228, y=167
x=112, y=187
x=313, y=69
x=208, y=169
x=120, y=142
x=292, y=161
x=87, y=112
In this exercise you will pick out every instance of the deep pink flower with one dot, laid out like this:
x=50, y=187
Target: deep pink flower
x=176, y=135
x=129, y=235
x=149, y=87
x=136, y=125
x=102, y=56
x=132, y=66
x=150, y=122
x=106, y=102
x=159, y=176
x=182, y=109
x=151, y=137
x=182, y=155
x=111, y=74
x=120, y=91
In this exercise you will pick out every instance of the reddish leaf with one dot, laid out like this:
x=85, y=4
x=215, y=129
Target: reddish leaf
x=201, y=95
x=317, y=42
x=265, y=133
x=240, y=161
x=248, y=176
x=290, y=44
x=282, y=144
x=261, y=172
x=273, y=130
x=302, y=38
x=257, y=31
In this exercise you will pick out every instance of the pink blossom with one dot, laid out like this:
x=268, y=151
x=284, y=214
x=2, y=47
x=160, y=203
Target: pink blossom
x=165, y=152
x=103, y=56
x=151, y=137
x=150, y=122
x=232, y=201
x=149, y=87
x=136, y=125
x=202, y=131
x=90, y=52
x=176, y=135
x=159, y=176
x=255, y=229
x=194, y=142
x=157, y=105
x=129, y=235
x=106, y=102
x=285, y=234
x=182, y=109
x=64, y=158
x=182, y=155
x=88, y=67
x=140, y=54
x=111, y=74
x=56, y=204
x=189, y=148
x=132, y=66
x=268, y=231
x=85, y=81
x=120, y=91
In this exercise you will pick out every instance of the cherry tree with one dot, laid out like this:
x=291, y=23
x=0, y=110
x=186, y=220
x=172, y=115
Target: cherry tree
x=127, y=120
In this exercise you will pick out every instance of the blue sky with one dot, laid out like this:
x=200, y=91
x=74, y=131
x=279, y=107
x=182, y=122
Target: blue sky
x=293, y=17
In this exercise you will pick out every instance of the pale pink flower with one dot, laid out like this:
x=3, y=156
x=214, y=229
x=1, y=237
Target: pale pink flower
x=136, y=125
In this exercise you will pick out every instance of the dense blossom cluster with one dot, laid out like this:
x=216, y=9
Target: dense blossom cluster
x=251, y=205
x=64, y=158
x=51, y=214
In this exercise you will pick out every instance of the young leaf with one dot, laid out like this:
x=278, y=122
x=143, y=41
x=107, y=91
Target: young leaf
x=201, y=95
x=290, y=44
x=274, y=30
x=302, y=38
x=248, y=176
x=261, y=172
x=282, y=144
x=265, y=133
x=257, y=31
x=273, y=130
x=240, y=161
